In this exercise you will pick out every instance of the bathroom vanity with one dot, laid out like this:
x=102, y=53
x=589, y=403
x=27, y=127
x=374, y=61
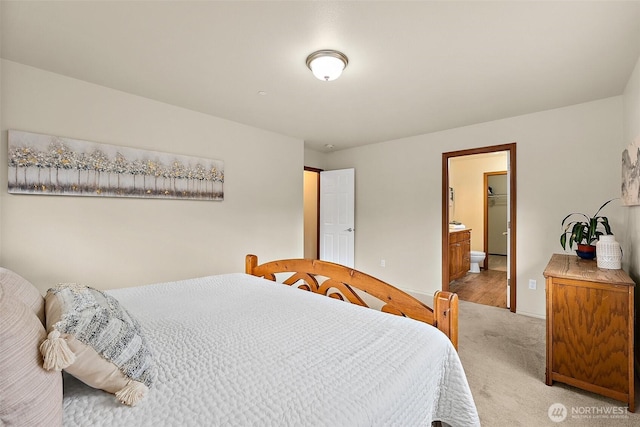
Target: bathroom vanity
x=459, y=253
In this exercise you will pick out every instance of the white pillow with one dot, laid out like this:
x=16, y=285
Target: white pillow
x=92, y=337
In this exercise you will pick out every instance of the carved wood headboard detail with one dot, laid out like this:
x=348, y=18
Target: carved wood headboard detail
x=337, y=281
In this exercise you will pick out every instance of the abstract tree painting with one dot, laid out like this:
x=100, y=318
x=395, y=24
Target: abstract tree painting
x=45, y=164
x=630, y=191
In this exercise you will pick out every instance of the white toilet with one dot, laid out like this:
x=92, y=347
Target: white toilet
x=476, y=258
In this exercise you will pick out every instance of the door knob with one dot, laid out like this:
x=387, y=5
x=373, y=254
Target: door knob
x=350, y=229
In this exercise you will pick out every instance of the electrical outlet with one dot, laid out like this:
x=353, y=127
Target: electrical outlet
x=532, y=284
x=383, y=263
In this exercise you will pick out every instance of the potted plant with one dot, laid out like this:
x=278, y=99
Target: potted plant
x=584, y=231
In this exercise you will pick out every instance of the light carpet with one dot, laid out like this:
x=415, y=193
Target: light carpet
x=504, y=356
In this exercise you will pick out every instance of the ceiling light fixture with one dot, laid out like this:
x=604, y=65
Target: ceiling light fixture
x=327, y=64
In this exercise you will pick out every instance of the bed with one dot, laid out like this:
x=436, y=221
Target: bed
x=243, y=349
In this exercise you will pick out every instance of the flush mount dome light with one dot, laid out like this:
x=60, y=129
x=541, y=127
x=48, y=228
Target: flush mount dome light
x=327, y=64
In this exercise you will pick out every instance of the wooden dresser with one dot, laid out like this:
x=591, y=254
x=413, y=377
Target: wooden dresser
x=459, y=253
x=590, y=327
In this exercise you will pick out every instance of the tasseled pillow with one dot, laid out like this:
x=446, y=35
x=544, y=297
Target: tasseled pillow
x=92, y=337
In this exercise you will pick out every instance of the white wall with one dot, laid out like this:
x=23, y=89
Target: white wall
x=631, y=250
x=117, y=242
x=314, y=159
x=0, y=128
x=567, y=159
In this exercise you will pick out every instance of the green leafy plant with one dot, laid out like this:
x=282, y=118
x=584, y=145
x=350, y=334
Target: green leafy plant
x=585, y=230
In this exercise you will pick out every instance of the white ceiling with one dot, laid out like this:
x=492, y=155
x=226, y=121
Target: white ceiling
x=414, y=67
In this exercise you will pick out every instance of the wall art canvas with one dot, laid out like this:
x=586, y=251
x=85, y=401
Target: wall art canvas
x=631, y=174
x=45, y=164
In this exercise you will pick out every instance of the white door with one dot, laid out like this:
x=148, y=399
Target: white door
x=337, y=205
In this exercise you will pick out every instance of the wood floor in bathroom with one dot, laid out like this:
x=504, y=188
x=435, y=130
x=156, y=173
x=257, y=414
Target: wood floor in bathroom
x=489, y=287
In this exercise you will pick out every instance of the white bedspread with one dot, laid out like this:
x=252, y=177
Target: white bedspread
x=237, y=350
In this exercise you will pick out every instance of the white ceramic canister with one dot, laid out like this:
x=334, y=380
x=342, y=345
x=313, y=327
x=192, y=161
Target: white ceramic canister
x=608, y=252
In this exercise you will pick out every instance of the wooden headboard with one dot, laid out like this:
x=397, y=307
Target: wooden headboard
x=337, y=281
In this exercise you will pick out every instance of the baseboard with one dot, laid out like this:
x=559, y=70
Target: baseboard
x=528, y=314
x=424, y=298
x=428, y=300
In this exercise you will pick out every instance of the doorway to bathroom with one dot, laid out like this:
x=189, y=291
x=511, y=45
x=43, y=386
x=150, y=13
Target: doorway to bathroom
x=476, y=184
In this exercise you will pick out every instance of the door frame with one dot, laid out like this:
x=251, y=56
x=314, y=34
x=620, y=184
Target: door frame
x=511, y=148
x=486, y=214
